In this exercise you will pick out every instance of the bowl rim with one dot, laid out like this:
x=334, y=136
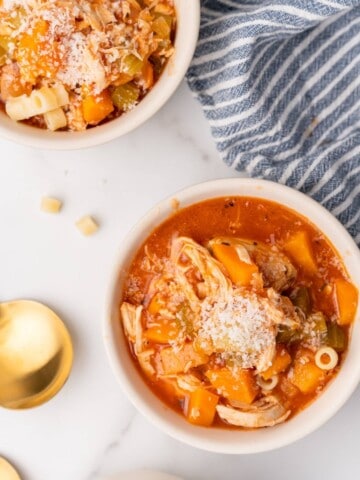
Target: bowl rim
x=170, y=79
x=156, y=414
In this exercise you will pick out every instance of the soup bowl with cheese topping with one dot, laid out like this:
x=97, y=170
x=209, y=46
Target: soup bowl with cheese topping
x=78, y=74
x=232, y=321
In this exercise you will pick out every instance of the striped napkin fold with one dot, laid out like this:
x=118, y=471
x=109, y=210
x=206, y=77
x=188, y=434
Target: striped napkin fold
x=279, y=82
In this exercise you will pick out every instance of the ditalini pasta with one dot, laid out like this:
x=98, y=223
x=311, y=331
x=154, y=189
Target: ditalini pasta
x=55, y=119
x=41, y=101
x=94, y=59
x=50, y=205
x=87, y=225
x=237, y=312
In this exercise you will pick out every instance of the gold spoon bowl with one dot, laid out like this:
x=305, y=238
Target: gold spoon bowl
x=36, y=354
x=7, y=471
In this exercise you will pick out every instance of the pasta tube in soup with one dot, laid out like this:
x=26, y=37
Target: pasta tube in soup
x=74, y=64
x=237, y=312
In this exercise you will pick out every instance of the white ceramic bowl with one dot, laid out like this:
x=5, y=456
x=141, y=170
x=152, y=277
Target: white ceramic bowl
x=188, y=21
x=221, y=440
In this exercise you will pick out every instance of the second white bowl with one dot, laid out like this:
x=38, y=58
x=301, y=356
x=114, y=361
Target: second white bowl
x=222, y=440
x=188, y=21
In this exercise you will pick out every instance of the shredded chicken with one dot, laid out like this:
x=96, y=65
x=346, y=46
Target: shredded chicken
x=186, y=382
x=145, y=362
x=131, y=317
x=283, y=311
x=240, y=323
x=266, y=412
x=187, y=254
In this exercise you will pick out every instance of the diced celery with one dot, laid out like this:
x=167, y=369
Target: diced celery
x=184, y=320
x=315, y=324
x=319, y=321
x=132, y=65
x=125, y=96
x=336, y=337
x=301, y=299
x=288, y=335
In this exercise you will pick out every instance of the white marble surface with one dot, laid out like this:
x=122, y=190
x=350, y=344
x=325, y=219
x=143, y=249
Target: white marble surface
x=90, y=431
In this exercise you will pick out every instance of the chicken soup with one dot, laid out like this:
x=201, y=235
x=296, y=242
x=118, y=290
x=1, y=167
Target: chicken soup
x=237, y=312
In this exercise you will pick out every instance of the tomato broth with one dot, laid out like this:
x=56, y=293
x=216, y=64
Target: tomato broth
x=237, y=311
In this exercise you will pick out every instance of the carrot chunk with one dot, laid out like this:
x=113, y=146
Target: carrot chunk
x=299, y=248
x=35, y=56
x=306, y=375
x=202, y=407
x=240, y=272
x=97, y=107
x=180, y=361
x=155, y=305
x=346, y=299
x=11, y=84
x=162, y=333
x=240, y=386
x=280, y=363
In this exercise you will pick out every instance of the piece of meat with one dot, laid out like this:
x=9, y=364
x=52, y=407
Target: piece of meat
x=283, y=311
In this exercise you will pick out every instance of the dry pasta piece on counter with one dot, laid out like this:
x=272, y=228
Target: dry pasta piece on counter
x=87, y=225
x=51, y=205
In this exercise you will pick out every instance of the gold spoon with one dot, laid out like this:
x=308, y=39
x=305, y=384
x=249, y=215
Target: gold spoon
x=7, y=471
x=36, y=354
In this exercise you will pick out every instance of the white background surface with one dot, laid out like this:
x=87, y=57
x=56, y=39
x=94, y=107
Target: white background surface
x=90, y=430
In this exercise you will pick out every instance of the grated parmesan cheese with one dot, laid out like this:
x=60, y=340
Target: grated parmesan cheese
x=10, y=4
x=82, y=66
x=240, y=327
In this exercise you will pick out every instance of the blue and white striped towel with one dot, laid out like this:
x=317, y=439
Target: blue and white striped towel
x=279, y=82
